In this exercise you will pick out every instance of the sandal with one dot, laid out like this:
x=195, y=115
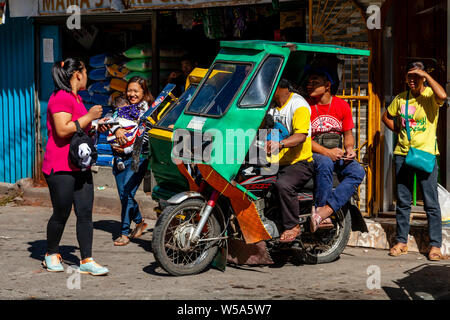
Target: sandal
x=398, y=250
x=122, y=241
x=314, y=221
x=290, y=235
x=326, y=224
x=436, y=255
x=137, y=232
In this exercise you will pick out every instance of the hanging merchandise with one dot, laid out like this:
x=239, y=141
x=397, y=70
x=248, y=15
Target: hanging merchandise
x=185, y=18
x=139, y=51
x=213, y=23
x=139, y=64
x=118, y=84
x=98, y=74
x=238, y=23
x=2, y=12
x=118, y=71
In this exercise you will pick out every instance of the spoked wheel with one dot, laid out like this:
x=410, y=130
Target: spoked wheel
x=326, y=245
x=172, y=248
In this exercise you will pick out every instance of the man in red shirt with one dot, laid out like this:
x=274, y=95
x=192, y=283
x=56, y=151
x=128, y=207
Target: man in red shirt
x=331, y=120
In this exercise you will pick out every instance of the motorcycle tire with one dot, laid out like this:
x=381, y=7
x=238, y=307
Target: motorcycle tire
x=162, y=248
x=338, y=246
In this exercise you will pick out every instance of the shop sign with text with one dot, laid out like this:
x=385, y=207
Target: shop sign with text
x=51, y=7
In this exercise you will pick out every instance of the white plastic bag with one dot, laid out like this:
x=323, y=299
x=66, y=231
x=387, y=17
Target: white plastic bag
x=444, y=202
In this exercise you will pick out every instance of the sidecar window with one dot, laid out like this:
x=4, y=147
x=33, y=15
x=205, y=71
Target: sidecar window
x=172, y=116
x=217, y=92
x=262, y=84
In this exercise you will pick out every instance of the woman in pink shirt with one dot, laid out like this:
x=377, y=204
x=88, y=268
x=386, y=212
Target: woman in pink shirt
x=67, y=184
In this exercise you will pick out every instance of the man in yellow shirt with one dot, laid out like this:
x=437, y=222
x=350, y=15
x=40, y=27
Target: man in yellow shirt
x=423, y=112
x=294, y=154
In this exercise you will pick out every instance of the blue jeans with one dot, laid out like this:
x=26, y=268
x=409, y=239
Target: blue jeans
x=350, y=175
x=404, y=175
x=128, y=183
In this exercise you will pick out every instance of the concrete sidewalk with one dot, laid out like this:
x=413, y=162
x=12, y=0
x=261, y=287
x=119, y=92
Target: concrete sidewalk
x=106, y=198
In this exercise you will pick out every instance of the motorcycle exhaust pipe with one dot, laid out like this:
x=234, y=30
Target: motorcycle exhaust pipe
x=205, y=215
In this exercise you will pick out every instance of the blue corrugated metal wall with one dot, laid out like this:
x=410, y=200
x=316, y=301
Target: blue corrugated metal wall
x=17, y=143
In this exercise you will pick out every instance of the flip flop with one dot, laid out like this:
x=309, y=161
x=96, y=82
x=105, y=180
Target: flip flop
x=398, y=250
x=121, y=241
x=436, y=255
x=138, y=230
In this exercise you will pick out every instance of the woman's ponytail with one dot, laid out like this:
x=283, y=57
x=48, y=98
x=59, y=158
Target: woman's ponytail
x=62, y=72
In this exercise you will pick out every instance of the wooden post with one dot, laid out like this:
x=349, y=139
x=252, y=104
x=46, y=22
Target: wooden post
x=374, y=176
x=310, y=31
x=155, y=54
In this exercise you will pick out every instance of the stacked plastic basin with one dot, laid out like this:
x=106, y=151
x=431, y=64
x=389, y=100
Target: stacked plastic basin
x=102, y=91
x=140, y=62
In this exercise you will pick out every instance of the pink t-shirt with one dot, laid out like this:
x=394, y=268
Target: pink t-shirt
x=57, y=150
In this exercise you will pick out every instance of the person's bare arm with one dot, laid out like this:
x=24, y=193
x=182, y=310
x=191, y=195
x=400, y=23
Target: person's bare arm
x=65, y=127
x=388, y=121
x=349, y=145
x=292, y=141
x=439, y=92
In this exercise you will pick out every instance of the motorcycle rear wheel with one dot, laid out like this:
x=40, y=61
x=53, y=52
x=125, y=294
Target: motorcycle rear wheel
x=170, y=233
x=326, y=246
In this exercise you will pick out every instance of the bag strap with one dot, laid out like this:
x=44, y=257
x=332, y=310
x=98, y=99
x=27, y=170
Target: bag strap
x=407, y=118
x=77, y=124
x=407, y=124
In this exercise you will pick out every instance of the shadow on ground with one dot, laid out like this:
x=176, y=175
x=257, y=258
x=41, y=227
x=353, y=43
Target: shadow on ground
x=113, y=227
x=38, y=249
x=428, y=281
x=109, y=226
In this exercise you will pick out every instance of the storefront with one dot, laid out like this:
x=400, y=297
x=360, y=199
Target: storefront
x=167, y=30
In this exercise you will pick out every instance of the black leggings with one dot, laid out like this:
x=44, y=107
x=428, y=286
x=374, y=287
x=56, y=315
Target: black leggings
x=67, y=188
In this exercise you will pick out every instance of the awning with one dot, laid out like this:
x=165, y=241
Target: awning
x=33, y=8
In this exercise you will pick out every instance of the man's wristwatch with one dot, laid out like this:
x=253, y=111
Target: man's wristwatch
x=282, y=145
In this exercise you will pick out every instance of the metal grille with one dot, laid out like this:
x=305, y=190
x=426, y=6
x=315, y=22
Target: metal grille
x=341, y=22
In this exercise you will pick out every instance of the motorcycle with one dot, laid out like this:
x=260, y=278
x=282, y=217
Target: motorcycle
x=228, y=212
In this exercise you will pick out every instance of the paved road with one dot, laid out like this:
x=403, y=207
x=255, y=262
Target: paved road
x=135, y=275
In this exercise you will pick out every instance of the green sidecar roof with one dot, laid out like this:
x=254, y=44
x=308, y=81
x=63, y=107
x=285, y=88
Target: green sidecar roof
x=262, y=45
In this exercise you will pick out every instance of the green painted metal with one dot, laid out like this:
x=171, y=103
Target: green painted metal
x=261, y=45
x=245, y=121
x=164, y=170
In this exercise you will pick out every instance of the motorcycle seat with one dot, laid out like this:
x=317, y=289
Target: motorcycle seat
x=309, y=186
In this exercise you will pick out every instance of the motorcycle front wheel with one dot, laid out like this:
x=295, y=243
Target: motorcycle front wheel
x=171, y=246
